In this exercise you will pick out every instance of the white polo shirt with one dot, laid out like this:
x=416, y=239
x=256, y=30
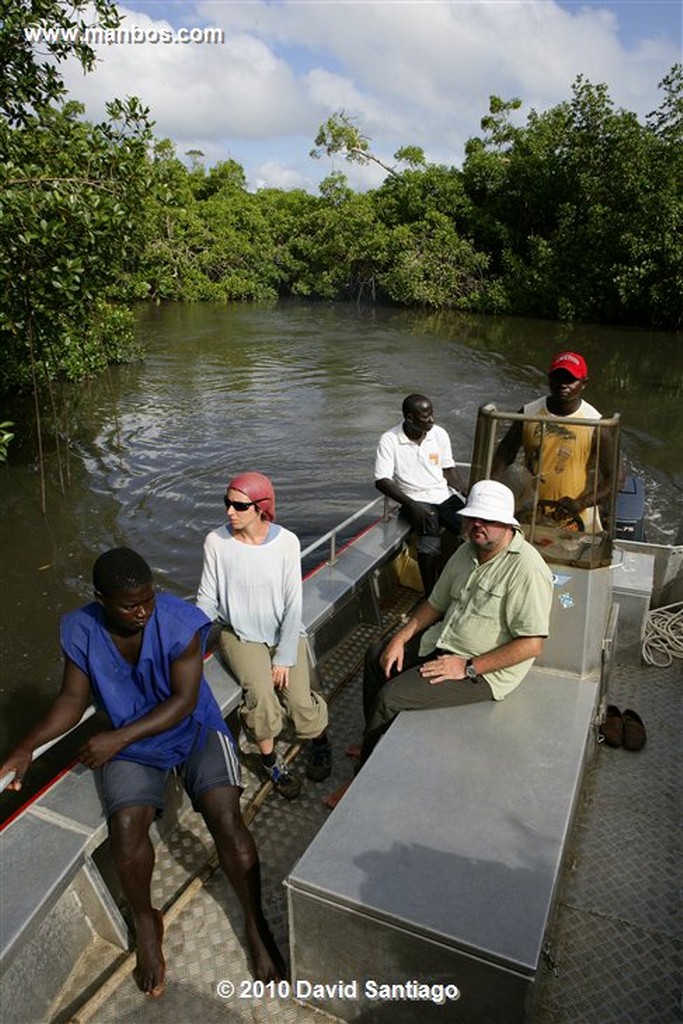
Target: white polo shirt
x=416, y=468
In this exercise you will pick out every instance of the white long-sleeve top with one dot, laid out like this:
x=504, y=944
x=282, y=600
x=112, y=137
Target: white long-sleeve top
x=255, y=588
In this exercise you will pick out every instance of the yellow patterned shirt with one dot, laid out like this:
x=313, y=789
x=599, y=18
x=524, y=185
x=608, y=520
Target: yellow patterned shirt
x=563, y=461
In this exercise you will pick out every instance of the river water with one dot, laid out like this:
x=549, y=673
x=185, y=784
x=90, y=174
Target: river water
x=300, y=392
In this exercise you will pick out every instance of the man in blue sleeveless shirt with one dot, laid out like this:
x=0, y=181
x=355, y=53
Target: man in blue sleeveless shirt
x=139, y=656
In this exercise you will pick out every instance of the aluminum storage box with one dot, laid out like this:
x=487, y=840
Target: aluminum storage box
x=582, y=599
x=632, y=587
x=435, y=876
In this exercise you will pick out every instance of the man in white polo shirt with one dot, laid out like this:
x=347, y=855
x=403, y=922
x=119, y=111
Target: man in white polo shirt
x=414, y=466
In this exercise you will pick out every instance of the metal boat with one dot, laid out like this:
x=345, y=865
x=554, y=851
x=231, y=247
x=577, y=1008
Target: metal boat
x=504, y=867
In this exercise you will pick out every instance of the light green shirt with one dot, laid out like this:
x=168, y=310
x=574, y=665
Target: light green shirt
x=485, y=605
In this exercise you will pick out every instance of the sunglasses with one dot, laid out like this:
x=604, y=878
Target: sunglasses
x=239, y=506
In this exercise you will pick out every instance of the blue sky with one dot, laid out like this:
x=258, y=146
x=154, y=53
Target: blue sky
x=411, y=72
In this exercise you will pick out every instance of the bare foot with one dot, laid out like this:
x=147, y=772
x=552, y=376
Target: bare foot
x=150, y=967
x=332, y=799
x=267, y=959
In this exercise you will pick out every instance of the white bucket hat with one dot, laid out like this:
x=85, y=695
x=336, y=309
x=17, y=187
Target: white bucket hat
x=489, y=499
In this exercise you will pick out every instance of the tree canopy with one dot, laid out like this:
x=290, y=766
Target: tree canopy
x=573, y=215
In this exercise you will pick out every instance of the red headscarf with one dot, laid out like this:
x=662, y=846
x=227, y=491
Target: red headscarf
x=259, y=488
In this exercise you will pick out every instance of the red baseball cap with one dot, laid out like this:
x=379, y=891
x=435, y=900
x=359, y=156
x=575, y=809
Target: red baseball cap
x=572, y=362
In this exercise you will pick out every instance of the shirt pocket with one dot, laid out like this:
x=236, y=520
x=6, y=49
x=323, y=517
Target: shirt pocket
x=487, y=600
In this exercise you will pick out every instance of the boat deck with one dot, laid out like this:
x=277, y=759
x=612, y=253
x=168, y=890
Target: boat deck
x=614, y=954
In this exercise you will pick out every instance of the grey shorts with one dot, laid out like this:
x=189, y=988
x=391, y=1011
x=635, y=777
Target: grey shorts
x=129, y=784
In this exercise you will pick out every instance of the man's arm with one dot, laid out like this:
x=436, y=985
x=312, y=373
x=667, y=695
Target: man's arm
x=65, y=712
x=186, y=676
x=385, y=472
x=507, y=449
x=452, y=666
x=593, y=495
x=424, y=616
x=454, y=480
x=418, y=514
x=393, y=491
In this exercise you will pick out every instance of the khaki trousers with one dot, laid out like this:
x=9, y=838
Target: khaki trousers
x=266, y=710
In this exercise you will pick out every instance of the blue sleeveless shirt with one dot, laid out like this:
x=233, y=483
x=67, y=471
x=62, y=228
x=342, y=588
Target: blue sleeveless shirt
x=127, y=692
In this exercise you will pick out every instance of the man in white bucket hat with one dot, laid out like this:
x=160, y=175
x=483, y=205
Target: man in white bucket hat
x=478, y=632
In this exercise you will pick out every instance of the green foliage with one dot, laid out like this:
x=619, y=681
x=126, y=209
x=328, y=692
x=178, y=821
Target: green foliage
x=29, y=75
x=71, y=201
x=580, y=210
x=413, y=194
x=574, y=214
x=208, y=238
x=667, y=121
x=341, y=134
x=431, y=265
x=414, y=156
x=338, y=246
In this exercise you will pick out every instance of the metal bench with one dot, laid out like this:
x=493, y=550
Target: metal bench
x=336, y=592
x=441, y=862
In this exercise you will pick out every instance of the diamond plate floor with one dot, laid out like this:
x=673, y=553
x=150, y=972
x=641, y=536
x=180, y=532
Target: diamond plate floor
x=617, y=938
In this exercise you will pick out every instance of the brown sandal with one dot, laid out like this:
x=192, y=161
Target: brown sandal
x=612, y=729
x=634, y=730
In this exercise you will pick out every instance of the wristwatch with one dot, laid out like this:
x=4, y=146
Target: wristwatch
x=470, y=670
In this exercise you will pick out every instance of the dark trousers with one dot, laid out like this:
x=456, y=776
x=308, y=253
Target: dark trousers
x=444, y=515
x=407, y=691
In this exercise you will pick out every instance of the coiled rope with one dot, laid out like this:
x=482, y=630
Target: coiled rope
x=663, y=640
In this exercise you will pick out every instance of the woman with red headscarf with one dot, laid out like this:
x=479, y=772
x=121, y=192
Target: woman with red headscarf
x=251, y=583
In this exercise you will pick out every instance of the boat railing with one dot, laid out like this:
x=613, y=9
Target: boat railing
x=388, y=508
x=333, y=534
x=43, y=749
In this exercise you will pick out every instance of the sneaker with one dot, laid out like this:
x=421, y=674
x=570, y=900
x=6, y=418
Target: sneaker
x=318, y=761
x=284, y=780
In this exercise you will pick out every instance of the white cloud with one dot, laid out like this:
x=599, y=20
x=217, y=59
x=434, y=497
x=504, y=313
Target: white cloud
x=236, y=89
x=416, y=72
x=273, y=174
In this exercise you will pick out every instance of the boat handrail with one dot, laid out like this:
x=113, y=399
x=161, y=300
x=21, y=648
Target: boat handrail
x=603, y=422
x=332, y=534
x=43, y=749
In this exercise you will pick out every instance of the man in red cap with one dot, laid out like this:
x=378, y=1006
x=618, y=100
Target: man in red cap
x=562, y=457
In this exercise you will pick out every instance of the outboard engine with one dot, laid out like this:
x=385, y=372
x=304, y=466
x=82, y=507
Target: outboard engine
x=630, y=510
